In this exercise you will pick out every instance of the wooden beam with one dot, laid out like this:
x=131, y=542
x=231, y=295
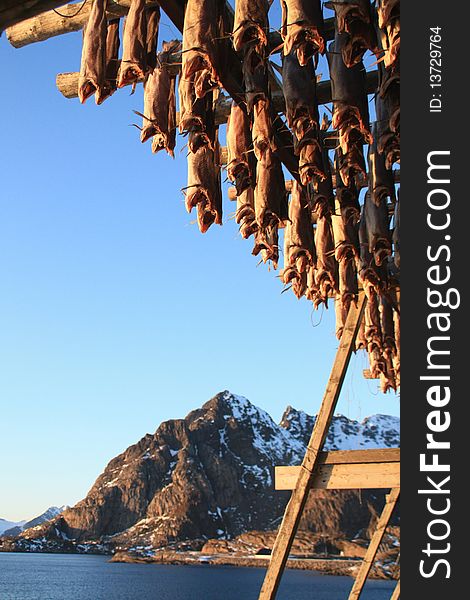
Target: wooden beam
x=356, y=476
x=375, y=542
x=294, y=509
x=361, y=183
x=67, y=84
x=51, y=24
x=12, y=11
x=351, y=457
x=396, y=592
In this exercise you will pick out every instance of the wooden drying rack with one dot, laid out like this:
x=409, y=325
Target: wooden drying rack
x=331, y=470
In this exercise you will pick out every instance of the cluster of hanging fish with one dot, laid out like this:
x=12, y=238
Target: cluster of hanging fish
x=332, y=244
x=102, y=71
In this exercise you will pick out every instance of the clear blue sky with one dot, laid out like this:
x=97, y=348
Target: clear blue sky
x=115, y=312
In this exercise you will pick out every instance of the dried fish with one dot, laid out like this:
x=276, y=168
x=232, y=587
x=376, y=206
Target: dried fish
x=134, y=55
x=302, y=28
x=353, y=18
x=92, y=76
x=204, y=187
x=251, y=25
x=159, y=118
x=112, y=62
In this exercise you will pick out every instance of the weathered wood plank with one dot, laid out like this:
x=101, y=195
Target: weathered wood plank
x=51, y=24
x=356, y=476
x=294, y=509
x=12, y=11
x=67, y=84
x=375, y=542
x=354, y=457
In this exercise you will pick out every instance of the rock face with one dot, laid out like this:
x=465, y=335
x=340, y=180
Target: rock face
x=210, y=475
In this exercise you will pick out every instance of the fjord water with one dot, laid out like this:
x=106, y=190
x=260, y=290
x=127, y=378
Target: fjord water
x=75, y=577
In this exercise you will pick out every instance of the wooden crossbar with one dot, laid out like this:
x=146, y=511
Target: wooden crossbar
x=14, y=11
x=66, y=19
x=67, y=84
x=347, y=470
x=51, y=24
x=360, y=183
x=294, y=509
x=375, y=542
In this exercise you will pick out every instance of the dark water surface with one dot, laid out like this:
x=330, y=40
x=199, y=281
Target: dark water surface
x=75, y=577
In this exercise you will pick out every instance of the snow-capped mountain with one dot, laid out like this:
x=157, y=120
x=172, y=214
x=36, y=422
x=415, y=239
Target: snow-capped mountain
x=5, y=525
x=210, y=475
x=18, y=527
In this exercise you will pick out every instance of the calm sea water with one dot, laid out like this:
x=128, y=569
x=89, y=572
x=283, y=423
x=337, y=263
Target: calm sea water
x=75, y=577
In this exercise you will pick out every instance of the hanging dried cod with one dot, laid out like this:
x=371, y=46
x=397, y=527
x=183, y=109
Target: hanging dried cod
x=345, y=233
x=251, y=25
x=327, y=267
x=300, y=93
x=196, y=116
x=199, y=58
x=381, y=183
x=369, y=273
x=159, y=118
x=153, y=24
x=112, y=62
x=389, y=349
x=92, y=76
x=302, y=28
x=299, y=87
x=388, y=143
x=388, y=12
x=204, y=186
x=396, y=234
x=389, y=92
x=354, y=18
x=348, y=92
x=239, y=169
x=348, y=208
x=378, y=233
x=299, y=254
x=134, y=54
x=373, y=333
x=270, y=205
x=326, y=274
x=262, y=131
x=245, y=215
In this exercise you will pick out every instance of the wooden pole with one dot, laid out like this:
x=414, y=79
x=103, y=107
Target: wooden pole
x=294, y=509
x=51, y=23
x=375, y=542
x=12, y=11
x=396, y=592
x=67, y=84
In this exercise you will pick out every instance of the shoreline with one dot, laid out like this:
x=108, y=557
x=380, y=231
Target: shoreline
x=324, y=566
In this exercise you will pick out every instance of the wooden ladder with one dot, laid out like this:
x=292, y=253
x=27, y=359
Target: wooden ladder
x=310, y=468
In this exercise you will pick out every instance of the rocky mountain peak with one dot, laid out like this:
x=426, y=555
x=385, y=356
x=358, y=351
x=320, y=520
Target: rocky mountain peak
x=208, y=475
